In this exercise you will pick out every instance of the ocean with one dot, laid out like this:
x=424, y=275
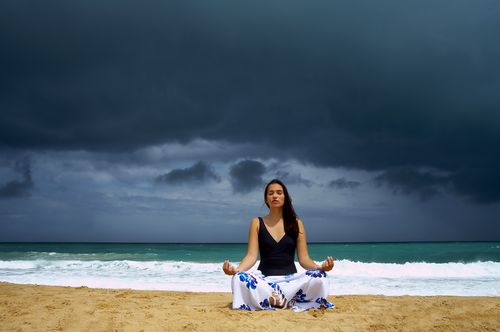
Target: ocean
x=417, y=268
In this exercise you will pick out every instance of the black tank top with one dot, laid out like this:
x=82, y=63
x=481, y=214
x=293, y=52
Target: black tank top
x=276, y=258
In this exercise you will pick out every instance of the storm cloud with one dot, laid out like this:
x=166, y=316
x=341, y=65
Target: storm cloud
x=19, y=188
x=373, y=85
x=387, y=88
x=246, y=175
x=198, y=173
x=343, y=183
x=408, y=181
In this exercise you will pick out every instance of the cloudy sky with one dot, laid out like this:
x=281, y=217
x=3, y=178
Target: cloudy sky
x=162, y=120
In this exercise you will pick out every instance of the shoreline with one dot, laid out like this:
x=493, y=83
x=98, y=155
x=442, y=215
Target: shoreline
x=63, y=308
x=228, y=292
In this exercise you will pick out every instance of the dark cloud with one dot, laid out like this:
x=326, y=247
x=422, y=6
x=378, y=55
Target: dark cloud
x=342, y=183
x=363, y=85
x=411, y=181
x=19, y=188
x=285, y=172
x=479, y=184
x=246, y=175
x=198, y=173
x=292, y=178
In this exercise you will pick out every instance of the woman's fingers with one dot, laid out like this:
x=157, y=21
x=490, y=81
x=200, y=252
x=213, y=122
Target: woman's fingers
x=328, y=263
x=228, y=268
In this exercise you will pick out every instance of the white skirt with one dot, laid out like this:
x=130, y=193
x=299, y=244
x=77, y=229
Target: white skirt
x=302, y=291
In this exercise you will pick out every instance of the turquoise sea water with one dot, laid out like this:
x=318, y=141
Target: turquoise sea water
x=430, y=252
x=428, y=268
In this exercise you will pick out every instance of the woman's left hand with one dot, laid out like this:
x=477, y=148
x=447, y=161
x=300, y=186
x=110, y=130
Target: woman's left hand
x=327, y=264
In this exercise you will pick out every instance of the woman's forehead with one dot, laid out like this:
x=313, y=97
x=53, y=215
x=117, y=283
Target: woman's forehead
x=274, y=187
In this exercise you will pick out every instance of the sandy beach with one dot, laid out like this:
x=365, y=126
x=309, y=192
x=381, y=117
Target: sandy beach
x=51, y=308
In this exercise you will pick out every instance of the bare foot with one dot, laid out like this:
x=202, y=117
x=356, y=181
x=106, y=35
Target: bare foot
x=277, y=300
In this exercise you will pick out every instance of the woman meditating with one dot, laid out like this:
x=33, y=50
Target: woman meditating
x=277, y=236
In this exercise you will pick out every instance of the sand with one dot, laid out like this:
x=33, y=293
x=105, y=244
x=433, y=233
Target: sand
x=51, y=308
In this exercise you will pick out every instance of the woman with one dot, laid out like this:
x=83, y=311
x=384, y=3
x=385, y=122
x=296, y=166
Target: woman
x=277, y=236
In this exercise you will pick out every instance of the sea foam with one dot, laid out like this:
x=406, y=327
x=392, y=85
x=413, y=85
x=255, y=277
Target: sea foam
x=347, y=277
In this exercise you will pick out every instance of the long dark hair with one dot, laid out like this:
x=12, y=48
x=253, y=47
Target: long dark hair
x=289, y=215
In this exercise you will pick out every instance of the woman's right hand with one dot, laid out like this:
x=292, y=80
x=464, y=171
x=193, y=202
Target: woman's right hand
x=228, y=268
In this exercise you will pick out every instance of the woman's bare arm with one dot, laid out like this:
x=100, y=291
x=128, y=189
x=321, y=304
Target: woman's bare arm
x=303, y=254
x=252, y=251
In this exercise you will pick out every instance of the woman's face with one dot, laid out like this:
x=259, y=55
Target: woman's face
x=275, y=196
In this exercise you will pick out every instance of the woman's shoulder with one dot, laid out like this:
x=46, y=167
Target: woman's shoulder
x=255, y=222
x=300, y=223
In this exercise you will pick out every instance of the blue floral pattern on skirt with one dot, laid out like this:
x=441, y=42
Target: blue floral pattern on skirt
x=251, y=281
x=300, y=296
x=302, y=291
x=244, y=307
x=316, y=273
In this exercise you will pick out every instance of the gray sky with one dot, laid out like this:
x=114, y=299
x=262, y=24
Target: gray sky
x=162, y=120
